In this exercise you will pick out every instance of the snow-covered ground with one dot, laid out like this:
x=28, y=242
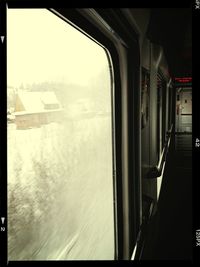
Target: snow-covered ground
x=60, y=191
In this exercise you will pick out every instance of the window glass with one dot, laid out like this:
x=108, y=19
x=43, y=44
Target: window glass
x=60, y=175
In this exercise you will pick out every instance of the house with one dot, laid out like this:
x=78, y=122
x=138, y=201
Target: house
x=32, y=109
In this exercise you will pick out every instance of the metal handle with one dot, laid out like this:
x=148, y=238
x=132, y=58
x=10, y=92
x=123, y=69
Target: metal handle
x=156, y=171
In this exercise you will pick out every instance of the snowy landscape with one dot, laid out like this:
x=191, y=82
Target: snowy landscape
x=60, y=191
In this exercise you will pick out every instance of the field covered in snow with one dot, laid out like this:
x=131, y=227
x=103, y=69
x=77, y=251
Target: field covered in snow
x=60, y=191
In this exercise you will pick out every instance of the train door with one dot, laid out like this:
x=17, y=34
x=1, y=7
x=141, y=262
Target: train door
x=184, y=110
x=169, y=110
x=163, y=113
x=145, y=120
x=159, y=116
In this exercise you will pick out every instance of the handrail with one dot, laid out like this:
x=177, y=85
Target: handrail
x=156, y=171
x=140, y=242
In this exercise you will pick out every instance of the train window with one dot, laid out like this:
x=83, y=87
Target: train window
x=60, y=152
x=145, y=97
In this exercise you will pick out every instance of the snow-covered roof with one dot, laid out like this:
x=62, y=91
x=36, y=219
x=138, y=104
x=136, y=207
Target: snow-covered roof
x=36, y=101
x=49, y=98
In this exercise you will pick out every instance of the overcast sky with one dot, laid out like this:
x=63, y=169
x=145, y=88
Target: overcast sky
x=42, y=47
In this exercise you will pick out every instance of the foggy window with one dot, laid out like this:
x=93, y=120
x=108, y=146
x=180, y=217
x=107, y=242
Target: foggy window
x=60, y=175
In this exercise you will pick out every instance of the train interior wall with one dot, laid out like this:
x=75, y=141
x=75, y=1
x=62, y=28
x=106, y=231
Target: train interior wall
x=153, y=133
x=170, y=230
